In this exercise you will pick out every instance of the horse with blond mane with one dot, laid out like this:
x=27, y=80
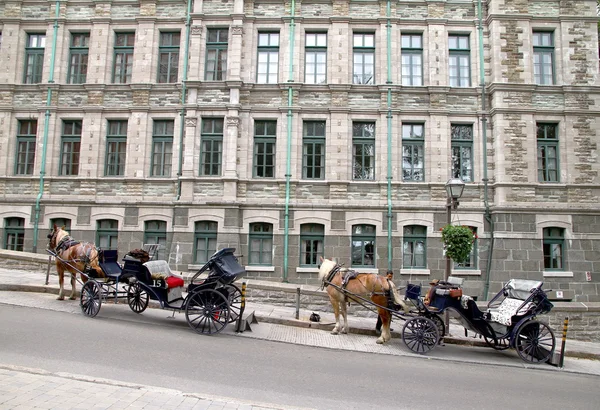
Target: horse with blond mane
x=73, y=257
x=359, y=288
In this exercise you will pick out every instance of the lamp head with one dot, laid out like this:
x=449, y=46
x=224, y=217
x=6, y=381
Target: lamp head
x=454, y=188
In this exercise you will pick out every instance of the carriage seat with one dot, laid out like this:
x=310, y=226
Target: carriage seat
x=517, y=293
x=109, y=263
x=160, y=271
x=508, y=308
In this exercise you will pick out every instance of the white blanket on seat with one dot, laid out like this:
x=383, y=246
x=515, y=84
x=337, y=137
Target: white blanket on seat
x=507, y=309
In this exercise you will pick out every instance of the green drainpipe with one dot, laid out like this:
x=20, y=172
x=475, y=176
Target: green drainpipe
x=389, y=134
x=186, y=51
x=288, y=169
x=36, y=221
x=487, y=215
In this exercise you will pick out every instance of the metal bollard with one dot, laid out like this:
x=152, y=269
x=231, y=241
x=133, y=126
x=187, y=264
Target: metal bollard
x=238, y=327
x=297, y=303
x=564, y=340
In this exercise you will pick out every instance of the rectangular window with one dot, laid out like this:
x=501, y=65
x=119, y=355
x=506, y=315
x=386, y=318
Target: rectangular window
x=462, y=152
x=363, y=150
x=413, y=152
x=162, y=148
x=116, y=148
x=268, y=58
x=78, y=58
x=265, y=137
x=14, y=234
x=312, y=237
x=412, y=59
x=70, y=148
x=261, y=244
x=205, y=239
x=216, y=54
x=459, y=60
x=107, y=233
x=34, y=58
x=547, y=152
x=553, y=244
x=313, y=150
x=168, y=57
x=543, y=57
x=155, y=233
x=315, y=71
x=414, y=247
x=26, y=134
x=364, y=58
x=363, y=246
x=123, y=58
x=211, y=146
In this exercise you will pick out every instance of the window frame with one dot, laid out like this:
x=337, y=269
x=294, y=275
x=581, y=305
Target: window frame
x=155, y=233
x=263, y=233
x=311, y=235
x=73, y=141
x=549, y=240
x=123, y=70
x=34, y=58
x=110, y=232
x=14, y=236
x=317, y=50
x=171, y=51
x=270, y=51
x=363, y=51
x=458, y=54
x=413, y=235
x=313, y=162
x=366, y=236
x=211, y=136
x=457, y=147
x=415, y=142
x=265, y=148
x=411, y=52
x=544, y=159
x=162, y=158
x=77, y=72
x=362, y=140
x=540, y=76
x=25, y=158
x=220, y=48
x=116, y=159
x=205, y=232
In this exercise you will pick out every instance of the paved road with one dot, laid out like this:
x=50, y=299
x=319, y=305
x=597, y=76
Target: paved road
x=123, y=346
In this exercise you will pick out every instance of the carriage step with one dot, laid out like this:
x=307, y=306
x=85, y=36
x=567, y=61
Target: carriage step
x=245, y=321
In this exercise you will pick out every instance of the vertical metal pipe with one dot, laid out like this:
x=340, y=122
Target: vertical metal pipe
x=297, y=303
x=448, y=271
x=564, y=341
x=186, y=51
x=288, y=165
x=36, y=220
x=389, y=134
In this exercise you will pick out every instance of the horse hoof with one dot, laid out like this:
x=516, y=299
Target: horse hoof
x=60, y=298
x=344, y=332
x=335, y=332
x=380, y=341
x=72, y=298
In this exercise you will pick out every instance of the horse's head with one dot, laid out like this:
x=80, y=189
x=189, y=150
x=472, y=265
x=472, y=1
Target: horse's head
x=55, y=236
x=327, y=265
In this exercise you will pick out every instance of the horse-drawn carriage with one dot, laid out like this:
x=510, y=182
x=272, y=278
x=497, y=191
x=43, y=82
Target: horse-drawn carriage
x=508, y=322
x=210, y=301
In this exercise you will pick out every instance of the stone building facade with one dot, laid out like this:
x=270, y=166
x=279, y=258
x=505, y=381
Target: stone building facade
x=297, y=129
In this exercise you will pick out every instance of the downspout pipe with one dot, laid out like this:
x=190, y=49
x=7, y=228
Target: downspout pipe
x=186, y=51
x=36, y=221
x=487, y=215
x=389, y=134
x=288, y=166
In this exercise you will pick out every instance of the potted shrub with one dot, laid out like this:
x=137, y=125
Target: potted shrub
x=458, y=242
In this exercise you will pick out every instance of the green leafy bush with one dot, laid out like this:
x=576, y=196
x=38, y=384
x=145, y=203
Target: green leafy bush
x=458, y=240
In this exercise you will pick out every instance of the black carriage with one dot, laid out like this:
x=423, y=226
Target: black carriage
x=210, y=301
x=508, y=322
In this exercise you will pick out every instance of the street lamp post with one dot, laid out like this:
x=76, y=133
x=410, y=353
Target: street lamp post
x=454, y=190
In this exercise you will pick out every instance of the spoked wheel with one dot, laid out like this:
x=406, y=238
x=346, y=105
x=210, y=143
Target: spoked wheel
x=91, y=298
x=498, y=344
x=235, y=301
x=207, y=311
x=420, y=334
x=137, y=298
x=439, y=324
x=535, y=342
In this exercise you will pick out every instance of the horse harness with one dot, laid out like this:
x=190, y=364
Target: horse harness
x=347, y=277
x=65, y=243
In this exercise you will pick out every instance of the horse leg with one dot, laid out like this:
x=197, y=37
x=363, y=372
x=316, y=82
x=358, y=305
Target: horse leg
x=386, y=319
x=336, y=311
x=61, y=281
x=73, y=279
x=344, y=309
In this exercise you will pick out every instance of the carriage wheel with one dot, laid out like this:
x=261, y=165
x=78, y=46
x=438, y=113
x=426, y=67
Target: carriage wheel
x=137, y=298
x=534, y=342
x=497, y=344
x=235, y=301
x=91, y=298
x=207, y=311
x=420, y=334
x=439, y=323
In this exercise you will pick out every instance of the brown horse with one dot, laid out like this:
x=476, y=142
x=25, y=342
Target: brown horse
x=73, y=257
x=366, y=285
